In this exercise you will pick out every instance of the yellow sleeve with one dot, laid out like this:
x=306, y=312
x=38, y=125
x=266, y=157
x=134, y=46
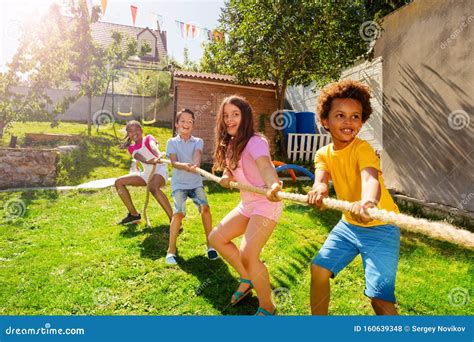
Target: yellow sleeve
x=320, y=162
x=366, y=157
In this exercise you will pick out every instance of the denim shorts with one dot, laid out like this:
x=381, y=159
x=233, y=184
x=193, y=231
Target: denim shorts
x=379, y=247
x=198, y=196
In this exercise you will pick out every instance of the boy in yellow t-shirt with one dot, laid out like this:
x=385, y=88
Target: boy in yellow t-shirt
x=354, y=169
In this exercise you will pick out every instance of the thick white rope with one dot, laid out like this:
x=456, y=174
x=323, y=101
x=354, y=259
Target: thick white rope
x=147, y=198
x=434, y=229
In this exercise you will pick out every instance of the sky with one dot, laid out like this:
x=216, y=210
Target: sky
x=15, y=14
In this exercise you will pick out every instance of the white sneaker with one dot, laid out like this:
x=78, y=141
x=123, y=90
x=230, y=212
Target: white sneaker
x=170, y=259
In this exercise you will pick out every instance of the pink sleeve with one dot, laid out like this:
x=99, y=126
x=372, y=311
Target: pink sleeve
x=257, y=147
x=132, y=148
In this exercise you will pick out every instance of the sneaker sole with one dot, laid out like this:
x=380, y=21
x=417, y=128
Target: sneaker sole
x=131, y=222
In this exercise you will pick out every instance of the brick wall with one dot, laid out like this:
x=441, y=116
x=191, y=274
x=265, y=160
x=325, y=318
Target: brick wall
x=204, y=99
x=24, y=167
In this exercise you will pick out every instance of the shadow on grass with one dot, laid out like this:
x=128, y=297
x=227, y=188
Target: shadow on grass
x=298, y=263
x=154, y=245
x=412, y=246
x=217, y=285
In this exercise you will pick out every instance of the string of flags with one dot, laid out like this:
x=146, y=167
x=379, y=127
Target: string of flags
x=191, y=31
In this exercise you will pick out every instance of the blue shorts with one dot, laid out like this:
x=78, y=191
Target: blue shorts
x=379, y=247
x=198, y=196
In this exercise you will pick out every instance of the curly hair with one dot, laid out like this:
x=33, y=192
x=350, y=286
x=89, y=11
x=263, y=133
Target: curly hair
x=344, y=89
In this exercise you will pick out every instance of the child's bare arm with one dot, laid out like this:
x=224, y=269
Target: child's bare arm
x=320, y=188
x=139, y=157
x=270, y=177
x=370, y=195
x=178, y=165
x=226, y=178
x=370, y=185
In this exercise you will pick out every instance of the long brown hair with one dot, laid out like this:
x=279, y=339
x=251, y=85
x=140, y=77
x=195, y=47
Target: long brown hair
x=223, y=140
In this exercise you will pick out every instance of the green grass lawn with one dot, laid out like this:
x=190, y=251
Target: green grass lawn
x=66, y=255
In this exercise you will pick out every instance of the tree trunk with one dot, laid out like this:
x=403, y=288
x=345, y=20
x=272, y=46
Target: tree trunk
x=89, y=114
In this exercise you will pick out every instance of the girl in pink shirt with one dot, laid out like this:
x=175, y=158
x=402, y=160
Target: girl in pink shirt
x=145, y=150
x=244, y=156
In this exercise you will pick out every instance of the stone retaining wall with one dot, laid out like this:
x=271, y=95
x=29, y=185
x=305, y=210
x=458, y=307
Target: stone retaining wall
x=25, y=167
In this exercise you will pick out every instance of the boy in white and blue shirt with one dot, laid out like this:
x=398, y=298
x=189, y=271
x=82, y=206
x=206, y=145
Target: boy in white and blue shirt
x=185, y=152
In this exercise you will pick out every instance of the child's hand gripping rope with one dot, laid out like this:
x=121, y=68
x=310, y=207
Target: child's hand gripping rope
x=434, y=229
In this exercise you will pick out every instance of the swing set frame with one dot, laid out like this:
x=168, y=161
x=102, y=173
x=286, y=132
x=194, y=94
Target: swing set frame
x=110, y=82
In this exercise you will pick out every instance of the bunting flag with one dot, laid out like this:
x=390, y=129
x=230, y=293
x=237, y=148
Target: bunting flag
x=187, y=29
x=104, y=6
x=191, y=31
x=217, y=35
x=134, y=13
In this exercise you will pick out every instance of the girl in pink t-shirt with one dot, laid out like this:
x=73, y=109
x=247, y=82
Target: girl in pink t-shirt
x=244, y=157
x=145, y=150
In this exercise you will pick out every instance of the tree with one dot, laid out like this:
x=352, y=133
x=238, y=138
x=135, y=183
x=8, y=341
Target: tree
x=188, y=64
x=94, y=66
x=287, y=42
x=40, y=63
x=59, y=50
